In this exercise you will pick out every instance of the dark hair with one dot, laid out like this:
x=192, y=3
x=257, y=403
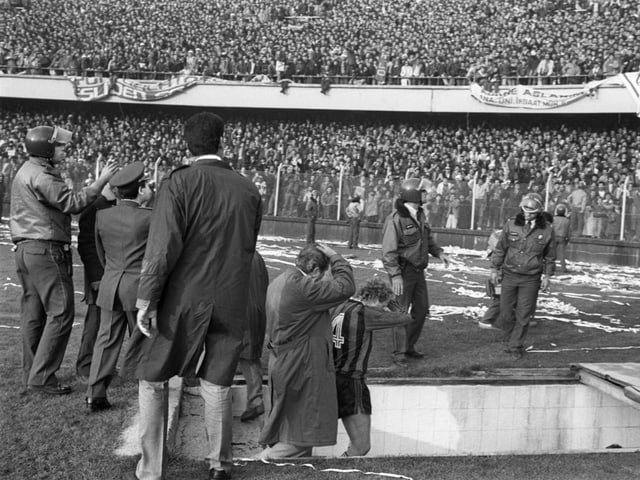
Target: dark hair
x=375, y=289
x=203, y=132
x=130, y=190
x=310, y=257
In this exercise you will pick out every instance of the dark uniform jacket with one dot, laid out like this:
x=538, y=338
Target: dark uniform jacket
x=523, y=251
x=203, y=234
x=406, y=241
x=562, y=228
x=121, y=237
x=93, y=268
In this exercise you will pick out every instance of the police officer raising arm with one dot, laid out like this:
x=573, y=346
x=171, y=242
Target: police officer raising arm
x=40, y=224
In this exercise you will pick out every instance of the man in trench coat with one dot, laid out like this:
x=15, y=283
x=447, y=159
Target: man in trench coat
x=192, y=293
x=302, y=385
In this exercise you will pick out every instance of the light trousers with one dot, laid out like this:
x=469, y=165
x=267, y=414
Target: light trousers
x=153, y=424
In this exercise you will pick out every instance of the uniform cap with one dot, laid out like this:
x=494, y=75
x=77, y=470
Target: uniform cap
x=129, y=174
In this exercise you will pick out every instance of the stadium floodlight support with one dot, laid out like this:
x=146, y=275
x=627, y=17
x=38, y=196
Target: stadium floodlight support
x=340, y=185
x=473, y=200
x=551, y=176
x=625, y=191
x=98, y=167
x=275, y=203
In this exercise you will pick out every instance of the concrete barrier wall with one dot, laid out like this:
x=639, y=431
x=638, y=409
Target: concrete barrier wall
x=605, y=252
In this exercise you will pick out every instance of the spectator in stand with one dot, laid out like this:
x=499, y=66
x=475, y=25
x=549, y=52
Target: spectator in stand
x=577, y=205
x=371, y=207
x=354, y=214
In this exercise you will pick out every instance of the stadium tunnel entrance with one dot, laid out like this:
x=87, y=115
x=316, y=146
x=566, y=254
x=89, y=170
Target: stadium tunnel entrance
x=585, y=408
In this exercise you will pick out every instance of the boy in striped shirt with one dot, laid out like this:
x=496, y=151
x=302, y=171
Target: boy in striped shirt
x=352, y=325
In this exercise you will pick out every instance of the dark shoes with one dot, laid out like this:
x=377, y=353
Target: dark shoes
x=414, y=354
x=57, y=389
x=97, y=404
x=249, y=414
x=483, y=324
x=514, y=354
x=400, y=360
x=218, y=474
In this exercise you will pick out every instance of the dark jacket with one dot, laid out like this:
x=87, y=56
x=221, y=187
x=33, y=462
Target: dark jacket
x=562, y=228
x=93, y=269
x=406, y=241
x=121, y=237
x=525, y=253
x=256, y=313
x=42, y=203
x=196, y=268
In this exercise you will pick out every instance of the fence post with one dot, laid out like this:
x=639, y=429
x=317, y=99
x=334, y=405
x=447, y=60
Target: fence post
x=473, y=201
x=624, y=206
x=340, y=192
x=275, y=203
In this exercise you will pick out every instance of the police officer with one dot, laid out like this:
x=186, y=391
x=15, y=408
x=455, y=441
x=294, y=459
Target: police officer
x=40, y=224
x=406, y=244
x=525, y=257
x=562, y=230
x=121, y=238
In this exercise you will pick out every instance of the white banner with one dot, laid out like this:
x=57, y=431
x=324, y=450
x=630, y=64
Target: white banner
x=95, y=88
x=524, y=96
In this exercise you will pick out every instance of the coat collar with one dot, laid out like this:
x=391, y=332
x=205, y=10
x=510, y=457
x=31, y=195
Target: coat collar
x=212, y=160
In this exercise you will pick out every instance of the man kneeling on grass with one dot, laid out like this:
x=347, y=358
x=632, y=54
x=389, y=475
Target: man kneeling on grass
x=353, y=324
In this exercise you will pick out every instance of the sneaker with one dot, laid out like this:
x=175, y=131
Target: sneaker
x=483, y=324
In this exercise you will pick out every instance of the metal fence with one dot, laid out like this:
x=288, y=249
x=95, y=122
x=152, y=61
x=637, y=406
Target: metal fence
x=459, y=205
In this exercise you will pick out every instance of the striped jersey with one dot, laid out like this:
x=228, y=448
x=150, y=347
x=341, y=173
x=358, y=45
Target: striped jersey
x=352, y=325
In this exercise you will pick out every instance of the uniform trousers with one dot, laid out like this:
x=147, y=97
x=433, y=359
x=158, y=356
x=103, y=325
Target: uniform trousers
x=414, y=295
x=252, y=372
x=561, y=253
x=311, y=229
x=113, y=325
x=354, y=232
x=47, y=308
x=519, y=295
x=88, y=340
x=152, y=427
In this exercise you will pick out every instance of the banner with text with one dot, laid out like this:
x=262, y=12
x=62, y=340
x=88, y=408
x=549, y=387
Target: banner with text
x=523, y=96
x=96, y=88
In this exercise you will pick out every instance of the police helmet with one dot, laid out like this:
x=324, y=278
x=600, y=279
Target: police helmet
x=41, y=141
x=531, y=203
x=410, y=190
x=561, y=210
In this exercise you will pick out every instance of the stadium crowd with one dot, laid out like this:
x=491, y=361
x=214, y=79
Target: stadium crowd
x=588, y=165
x=437, y=42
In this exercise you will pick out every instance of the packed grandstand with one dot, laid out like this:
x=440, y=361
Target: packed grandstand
x=474, y=173
x=435, y=42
